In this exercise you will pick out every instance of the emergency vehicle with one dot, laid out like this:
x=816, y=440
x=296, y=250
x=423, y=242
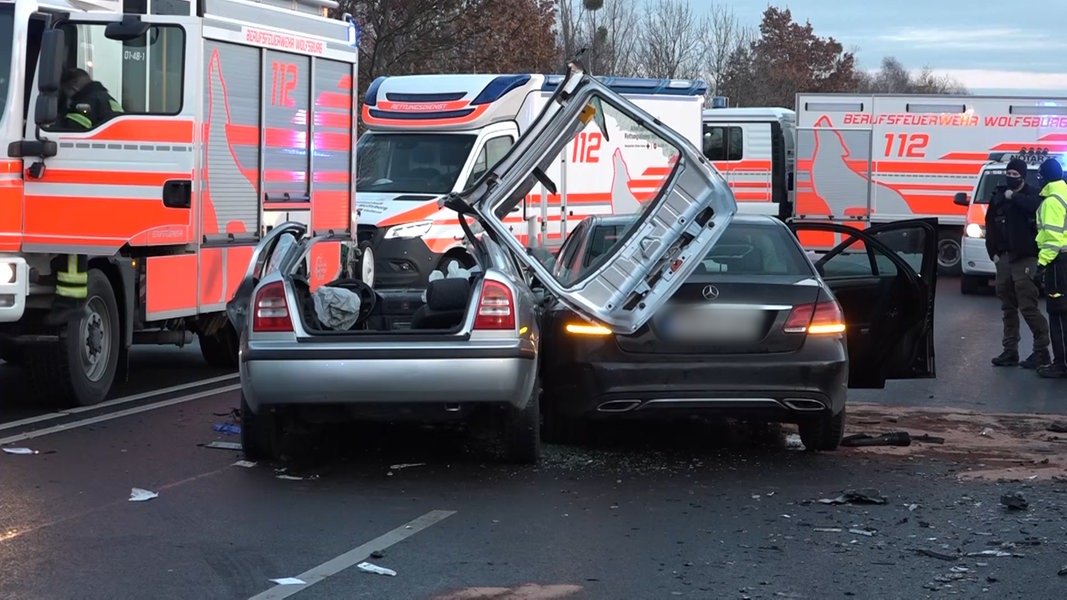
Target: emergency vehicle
x=139, y=228
x=429, y=135
x=874, y=158
x=978, y=270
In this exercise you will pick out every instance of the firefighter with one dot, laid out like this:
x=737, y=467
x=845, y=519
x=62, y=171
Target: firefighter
x=1010, y=234
x=1052, y=264
x=86, y=102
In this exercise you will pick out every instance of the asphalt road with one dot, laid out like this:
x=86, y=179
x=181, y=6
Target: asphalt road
x=700, y=511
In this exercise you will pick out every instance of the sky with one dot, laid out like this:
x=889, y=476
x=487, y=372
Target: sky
x=990, y=47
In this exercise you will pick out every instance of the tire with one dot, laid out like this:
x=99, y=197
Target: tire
x=949, y=252
x=220, y=348
x=461, y=260
x=522, y=430
x=824, y=433
x=366, y=264
x=972, y=284
x=80, y=368
x=557, y=428
x=261, y=435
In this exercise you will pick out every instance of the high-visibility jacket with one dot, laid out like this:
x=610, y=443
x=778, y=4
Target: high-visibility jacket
x=1052, y=222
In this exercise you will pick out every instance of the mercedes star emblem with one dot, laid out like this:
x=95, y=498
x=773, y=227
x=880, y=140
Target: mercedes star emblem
x=710, y=292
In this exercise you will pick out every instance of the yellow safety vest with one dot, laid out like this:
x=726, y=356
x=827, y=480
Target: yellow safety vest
x=1052, y=222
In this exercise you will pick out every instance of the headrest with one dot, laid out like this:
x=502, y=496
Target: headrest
x=450, y=293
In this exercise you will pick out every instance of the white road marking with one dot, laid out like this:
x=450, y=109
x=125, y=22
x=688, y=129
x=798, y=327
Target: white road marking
x=355, y=555
x=117, y=401
x=29, y=435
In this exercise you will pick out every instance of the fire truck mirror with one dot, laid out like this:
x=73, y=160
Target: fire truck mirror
x=53, y=47
x=128, y=29
x=47, y=110
x=960, y=198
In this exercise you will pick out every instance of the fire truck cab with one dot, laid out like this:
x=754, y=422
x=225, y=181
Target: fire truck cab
x=149, y=144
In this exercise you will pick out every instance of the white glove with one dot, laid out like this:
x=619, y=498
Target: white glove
x=1008, y=194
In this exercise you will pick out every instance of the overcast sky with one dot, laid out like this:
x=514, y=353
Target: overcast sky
x=991, y=47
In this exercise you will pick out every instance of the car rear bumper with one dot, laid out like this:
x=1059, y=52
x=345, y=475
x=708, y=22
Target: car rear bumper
x=775, y=387
x=500, y=375
x=975, y=259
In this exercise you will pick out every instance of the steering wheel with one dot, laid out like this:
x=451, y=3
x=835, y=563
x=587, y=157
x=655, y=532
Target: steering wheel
x=368, y=299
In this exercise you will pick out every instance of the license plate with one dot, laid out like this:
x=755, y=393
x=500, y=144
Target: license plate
x=709, y=324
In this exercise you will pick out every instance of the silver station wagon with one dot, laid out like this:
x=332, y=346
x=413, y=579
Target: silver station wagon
x=318, y=347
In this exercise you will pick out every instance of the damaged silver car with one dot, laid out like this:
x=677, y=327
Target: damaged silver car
x=319, y=346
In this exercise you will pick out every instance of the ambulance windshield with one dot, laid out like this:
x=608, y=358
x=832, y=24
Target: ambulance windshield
x=407, y=163
x=995, y=177
x=7, y=18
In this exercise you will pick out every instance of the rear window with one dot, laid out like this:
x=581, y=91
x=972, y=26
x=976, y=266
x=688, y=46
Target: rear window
x=755, y=249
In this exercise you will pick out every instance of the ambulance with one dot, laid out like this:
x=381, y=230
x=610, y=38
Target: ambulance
x=137, y=227
x=430, y=135
x=978, y=270
x=865, y=159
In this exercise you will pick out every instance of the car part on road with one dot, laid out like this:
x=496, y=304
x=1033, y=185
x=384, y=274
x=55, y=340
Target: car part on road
x=858, y=496
x=897, y=438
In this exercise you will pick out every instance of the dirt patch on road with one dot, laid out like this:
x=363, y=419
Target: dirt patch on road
x=987, y=446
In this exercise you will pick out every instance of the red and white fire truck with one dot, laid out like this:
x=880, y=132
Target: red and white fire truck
x=137, y=227
x=876, y=158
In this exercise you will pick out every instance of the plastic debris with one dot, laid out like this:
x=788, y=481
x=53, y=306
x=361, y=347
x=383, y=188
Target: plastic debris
x=406, y=466
x=793, y=442
x=288, y=581
x=227, y=428
x=1014, y=501
x=336, y=308
x=372, y=568
x=225, y=445
x=289, y=477
x=244, y=463
x=828, y=529
x=999, y=553
x=860, y=496
x=20, y=451
x=141, y=495
x=987, y=432
x=866, y=532
x=897, y=438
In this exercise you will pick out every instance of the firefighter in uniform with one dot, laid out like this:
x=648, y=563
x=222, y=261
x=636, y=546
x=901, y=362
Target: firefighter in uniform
x=1052, y=262
x=87, y=102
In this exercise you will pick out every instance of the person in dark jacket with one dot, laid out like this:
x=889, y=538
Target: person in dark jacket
x=1011, y=227
x=85, y=103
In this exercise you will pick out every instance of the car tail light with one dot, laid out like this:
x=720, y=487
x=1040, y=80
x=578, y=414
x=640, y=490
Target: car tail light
x=270, y=309
x=815, y=319
x=496, y=307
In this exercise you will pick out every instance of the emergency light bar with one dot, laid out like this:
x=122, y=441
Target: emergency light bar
x=1029, y=155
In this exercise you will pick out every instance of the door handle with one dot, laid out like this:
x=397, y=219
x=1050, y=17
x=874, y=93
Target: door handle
x=178, y=193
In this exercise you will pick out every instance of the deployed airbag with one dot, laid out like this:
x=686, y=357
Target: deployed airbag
x=336, y=308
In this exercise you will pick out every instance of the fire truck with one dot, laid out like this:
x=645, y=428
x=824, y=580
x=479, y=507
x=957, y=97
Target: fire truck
x=135, y=225
x=875, y=158
x=429, y=135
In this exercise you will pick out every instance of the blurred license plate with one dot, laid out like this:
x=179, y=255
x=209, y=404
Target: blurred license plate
x=715, y=324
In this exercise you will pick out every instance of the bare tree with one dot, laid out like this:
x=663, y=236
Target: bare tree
x=671, y=40
x=893, y=78
x=724, y=36
x=606, y=29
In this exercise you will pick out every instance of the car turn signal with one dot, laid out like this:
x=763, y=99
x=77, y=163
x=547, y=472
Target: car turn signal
x=815, y=319
x=587, y=329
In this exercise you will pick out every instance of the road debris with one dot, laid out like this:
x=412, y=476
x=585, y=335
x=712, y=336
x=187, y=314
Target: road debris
x=987, y=432
x=372, y=568
x=141, y=495
x=244, y=463
x=866, y=532
x=1057, y=427
x=896, y=438
x=1062, y=571
x=406, y=466
x=860, y=496
x=288, y=581
x=936, y=554
x=1014, y=501
x=225, y=446
x=20, y=451
x=227, y=428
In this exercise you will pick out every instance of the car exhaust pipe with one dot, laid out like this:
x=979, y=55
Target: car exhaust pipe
x=615, y=406
x=804, y=404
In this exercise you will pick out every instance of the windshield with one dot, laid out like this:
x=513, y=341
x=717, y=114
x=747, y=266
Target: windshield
x=7, y=19
x=411, y=162
x=994, y=177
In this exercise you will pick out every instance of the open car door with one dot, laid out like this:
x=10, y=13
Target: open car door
x=265, y=258
x=682, y=202
x=885, y=279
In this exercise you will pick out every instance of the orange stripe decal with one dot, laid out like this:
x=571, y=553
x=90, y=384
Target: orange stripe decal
x=131, y=129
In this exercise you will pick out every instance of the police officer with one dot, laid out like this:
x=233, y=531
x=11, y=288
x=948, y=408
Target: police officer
x=1052, y=264
x=87, y=102
x=1010, y=234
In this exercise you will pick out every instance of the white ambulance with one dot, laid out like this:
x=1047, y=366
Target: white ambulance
x=877, y=158
x=429, y=135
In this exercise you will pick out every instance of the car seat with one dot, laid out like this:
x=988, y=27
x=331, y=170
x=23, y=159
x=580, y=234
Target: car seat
x=446, y=304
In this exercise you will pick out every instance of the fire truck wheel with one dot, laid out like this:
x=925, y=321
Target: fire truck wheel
x=949, y=252
x=220, y=348
x=80, y=368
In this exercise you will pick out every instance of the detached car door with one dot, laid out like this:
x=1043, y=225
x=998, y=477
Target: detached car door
x=885, y=279
x=679, y=216
x=267, y=256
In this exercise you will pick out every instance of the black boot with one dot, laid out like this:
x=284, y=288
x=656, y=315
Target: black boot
x=1053, y=371
x=1035, y=360
x=1007, y=358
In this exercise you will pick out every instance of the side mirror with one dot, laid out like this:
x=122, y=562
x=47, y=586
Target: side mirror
x=960, y=199
x=47, y=109
x=50, y=69
x=129, y=28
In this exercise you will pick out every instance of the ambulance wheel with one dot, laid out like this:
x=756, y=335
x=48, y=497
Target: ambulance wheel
x=460, y=258
x=220, y=348
x=80, y=368
x=366, y=264
x=949, y=252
